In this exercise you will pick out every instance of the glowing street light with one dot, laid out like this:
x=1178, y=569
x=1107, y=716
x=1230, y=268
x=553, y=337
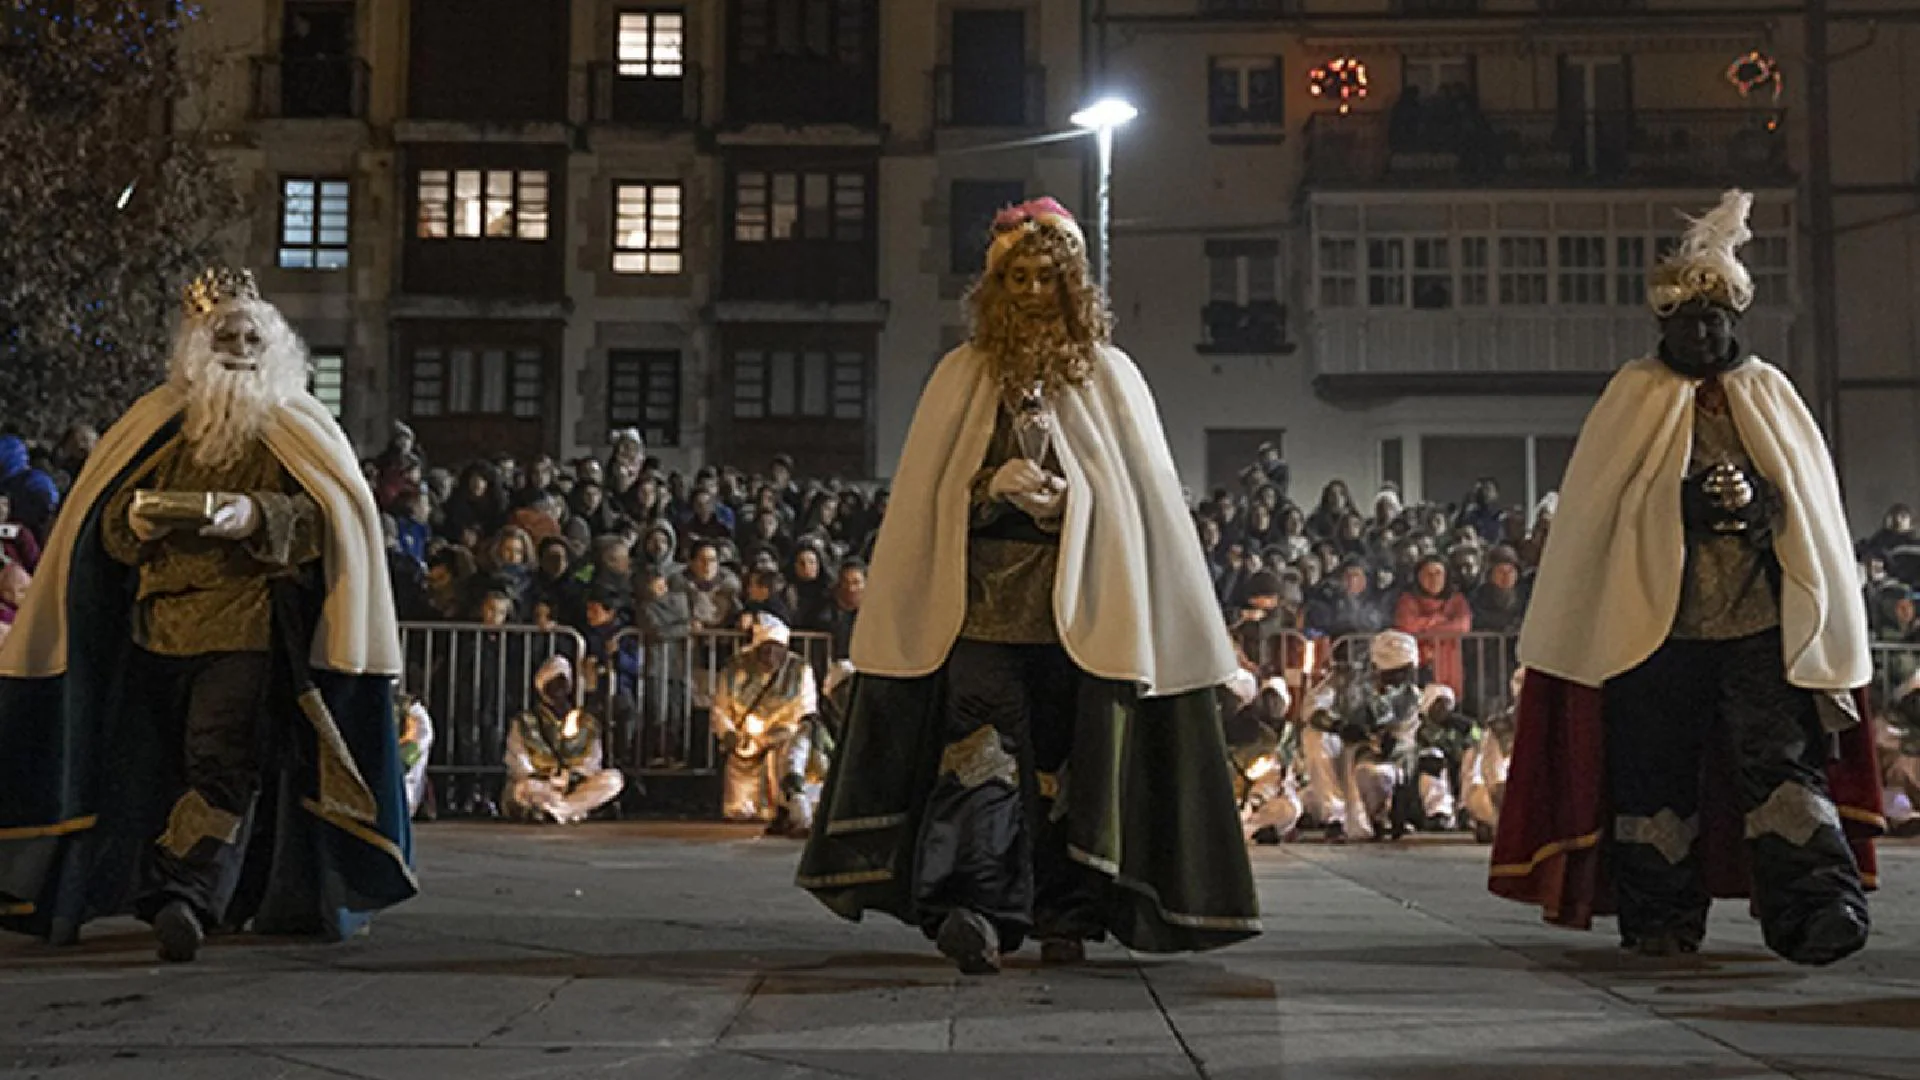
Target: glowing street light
x=1101, y=118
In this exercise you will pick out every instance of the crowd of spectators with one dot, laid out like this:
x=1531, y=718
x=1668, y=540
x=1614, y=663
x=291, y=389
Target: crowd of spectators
x=1338, y=570
x=604, y=544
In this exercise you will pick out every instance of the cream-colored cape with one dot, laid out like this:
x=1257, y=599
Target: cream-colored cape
x=1609, y=581
x=357, y=633
x=1132, y=598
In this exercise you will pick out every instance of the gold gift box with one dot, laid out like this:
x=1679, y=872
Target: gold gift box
x=175, y=507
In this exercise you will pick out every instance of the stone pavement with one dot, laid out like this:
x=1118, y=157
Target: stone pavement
x=681, y=952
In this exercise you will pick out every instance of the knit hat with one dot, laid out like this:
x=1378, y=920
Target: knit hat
x=1392, y=650
x=769, y=628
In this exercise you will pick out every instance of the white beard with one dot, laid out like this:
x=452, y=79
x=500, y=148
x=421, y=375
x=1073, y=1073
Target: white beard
x=227, y=410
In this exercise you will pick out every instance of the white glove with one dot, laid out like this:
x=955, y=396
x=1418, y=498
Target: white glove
x=235, y=517
x=1046, y=504
x=1017, y=477
x=145, y=528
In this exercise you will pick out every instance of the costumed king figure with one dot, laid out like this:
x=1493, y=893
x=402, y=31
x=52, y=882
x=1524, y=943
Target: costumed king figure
x=761, y=704
x=1689, y=725
x=196, y=707
x=556, y=762
x=1034, y=748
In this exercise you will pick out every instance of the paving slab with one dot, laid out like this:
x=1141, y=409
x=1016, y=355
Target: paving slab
x=683, y=952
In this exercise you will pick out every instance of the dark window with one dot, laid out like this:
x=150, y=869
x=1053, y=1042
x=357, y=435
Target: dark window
x=973, y=205
x=835, y=30
x=643, y=391
x=318, y=69
x=989, y=68
x=805, y=383
x=481, y=204
x=314, y=215
x=646, y=228
x=466, y=381
x=1244, y=90
x=651, y=44
x=782, y=206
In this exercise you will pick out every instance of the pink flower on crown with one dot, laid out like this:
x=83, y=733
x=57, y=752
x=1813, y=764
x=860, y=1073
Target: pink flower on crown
x=1032, y=210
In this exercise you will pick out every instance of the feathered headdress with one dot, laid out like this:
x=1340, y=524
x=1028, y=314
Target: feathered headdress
x=1015, y=222
x=1705, y=266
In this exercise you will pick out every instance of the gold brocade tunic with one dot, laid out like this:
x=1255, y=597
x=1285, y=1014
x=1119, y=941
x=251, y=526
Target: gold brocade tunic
x=1726, y=592
x=201, y=595
x=1011, y=558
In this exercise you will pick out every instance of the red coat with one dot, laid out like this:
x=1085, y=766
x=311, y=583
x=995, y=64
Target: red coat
x=1438, y=622
x=1554, y=819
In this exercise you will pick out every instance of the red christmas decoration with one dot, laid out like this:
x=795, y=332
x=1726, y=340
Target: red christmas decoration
x=1341, y=79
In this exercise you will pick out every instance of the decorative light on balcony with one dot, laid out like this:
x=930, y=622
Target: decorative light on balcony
x=1755, y=71
x=1342, y=79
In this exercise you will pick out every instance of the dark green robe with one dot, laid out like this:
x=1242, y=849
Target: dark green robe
x=1150, y=806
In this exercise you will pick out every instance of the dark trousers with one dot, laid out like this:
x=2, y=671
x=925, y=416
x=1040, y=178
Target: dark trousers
x=991, y=840
x=1694, y=703
x=212, y=705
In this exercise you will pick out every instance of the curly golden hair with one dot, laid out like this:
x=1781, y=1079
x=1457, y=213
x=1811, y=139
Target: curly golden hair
x=1053, y=352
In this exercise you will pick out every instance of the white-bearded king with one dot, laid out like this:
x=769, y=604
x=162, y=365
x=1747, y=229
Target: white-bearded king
x=1033, y=747
x=196, y=715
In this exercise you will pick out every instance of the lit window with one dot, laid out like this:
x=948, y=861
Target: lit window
x=314, y=219
x=646, y=229
x=482, y=204
x=327, y=380
x=434, y=203
x=533, y=205
x=652, y=44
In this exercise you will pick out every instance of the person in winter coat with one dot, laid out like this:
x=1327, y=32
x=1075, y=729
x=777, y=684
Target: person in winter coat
x=32, y=493
x=1434, y=612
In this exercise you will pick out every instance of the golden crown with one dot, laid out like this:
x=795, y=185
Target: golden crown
x=217, y=285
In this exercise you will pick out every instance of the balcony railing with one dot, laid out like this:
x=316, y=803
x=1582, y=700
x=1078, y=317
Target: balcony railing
x=1546, y=341
x=1704, y=147
x=643, y=101
x=966, y=99
x=803, y=90
x=1247, y=8
x=1590, y=7
x=309, y=88
x=1255, y=328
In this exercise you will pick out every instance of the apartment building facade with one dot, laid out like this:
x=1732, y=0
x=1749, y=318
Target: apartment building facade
x=1408, y=239
x=738, y=225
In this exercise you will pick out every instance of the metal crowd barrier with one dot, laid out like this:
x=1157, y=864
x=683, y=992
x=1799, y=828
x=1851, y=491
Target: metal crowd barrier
x=473, y=679
x=1480, y=679
x=653, y=696
x=1893, y=665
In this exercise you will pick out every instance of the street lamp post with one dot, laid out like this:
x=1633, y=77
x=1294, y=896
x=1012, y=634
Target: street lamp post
x=1101, y=118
